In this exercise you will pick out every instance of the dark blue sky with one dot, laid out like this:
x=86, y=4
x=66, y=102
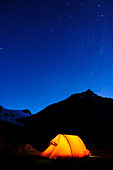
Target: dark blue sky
x=50, y=49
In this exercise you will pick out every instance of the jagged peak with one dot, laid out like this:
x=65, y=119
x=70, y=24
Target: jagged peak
x=89, y=92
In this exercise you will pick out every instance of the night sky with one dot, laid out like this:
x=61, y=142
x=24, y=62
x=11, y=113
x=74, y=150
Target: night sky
x=50, y=49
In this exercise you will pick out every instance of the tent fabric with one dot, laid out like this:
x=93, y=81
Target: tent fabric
x=66, y=147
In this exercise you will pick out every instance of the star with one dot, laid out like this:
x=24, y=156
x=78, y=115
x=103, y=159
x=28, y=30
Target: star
x=82, y=4
x=51, y=31
x=45, y=10
x=70, y=16
x=67, y=4
x=18, y=19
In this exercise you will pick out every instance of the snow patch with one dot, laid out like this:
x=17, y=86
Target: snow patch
x=12, y=115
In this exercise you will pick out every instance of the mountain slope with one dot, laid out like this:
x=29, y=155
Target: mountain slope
x=84, y=114
x=14, y=133
x=12, y=115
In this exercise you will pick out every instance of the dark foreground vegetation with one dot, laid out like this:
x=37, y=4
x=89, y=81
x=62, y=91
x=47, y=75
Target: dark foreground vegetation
x=27, y=157
x=31, y=162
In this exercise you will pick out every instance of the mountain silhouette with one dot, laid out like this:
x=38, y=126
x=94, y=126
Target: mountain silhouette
x=84, y=114
x=12, y=131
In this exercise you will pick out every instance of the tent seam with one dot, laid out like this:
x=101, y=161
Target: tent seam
x=69, y=144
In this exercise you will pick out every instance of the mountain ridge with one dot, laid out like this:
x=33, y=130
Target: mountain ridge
x=87, y=93
x=84, y=114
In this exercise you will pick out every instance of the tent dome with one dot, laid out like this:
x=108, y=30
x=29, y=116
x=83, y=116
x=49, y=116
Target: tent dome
x=66, y=147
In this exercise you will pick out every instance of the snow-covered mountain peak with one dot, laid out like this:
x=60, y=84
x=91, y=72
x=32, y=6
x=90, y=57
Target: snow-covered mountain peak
x=13, y=115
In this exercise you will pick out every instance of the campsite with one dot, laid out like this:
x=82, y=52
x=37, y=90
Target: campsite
x=56, y=90
x=73, y=133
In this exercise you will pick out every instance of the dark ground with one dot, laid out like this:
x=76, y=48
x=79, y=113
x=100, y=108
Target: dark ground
x=29, y=162
x=101, y=158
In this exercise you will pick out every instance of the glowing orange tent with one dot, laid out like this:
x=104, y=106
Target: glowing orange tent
x=66, y=147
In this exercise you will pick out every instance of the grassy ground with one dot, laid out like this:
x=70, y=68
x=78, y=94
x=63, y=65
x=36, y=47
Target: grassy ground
x=33, y=162
x=26, y=157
